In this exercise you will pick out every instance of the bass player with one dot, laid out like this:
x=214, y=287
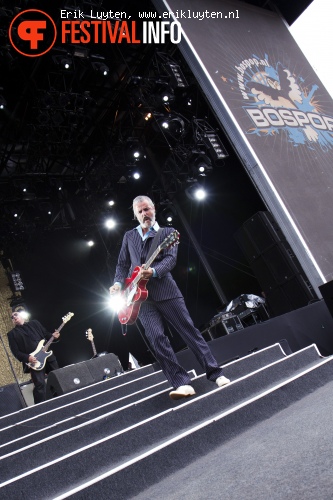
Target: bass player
x=23, y=340
x=164, y=301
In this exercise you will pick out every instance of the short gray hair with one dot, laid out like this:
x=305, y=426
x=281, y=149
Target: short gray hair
x=140, y=199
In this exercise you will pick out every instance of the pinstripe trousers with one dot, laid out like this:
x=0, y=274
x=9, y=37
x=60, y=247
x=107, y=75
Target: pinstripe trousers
x=176, y=313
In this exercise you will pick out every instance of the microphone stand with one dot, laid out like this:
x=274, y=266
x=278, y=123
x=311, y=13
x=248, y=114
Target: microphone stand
x=13, y=372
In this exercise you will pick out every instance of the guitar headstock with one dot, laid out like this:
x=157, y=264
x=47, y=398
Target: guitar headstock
x=67, y=317
x=171, y=240
x=89, y=334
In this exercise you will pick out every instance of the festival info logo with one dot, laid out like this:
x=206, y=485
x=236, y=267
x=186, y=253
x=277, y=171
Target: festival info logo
x=32, y=33
x=282, y=104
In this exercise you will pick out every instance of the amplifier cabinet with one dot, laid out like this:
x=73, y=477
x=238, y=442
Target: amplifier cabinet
x=232, y=325
x=222, y=325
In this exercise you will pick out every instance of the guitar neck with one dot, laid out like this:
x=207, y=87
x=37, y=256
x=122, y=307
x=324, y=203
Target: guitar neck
x=49, y=342
x=93, y=347
x=152, y=258
x=148, y=263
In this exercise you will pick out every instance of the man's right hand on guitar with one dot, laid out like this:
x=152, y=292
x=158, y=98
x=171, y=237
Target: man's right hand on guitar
x=114, y=289
x=32, y=359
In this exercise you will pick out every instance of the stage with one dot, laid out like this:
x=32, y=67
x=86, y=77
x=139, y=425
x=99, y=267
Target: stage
x=295, y=330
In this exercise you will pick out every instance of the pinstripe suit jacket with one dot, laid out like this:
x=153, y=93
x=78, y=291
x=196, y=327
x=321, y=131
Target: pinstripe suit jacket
x=134, y=252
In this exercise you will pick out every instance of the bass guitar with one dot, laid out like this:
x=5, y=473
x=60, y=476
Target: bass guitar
x=135, y=291
x=41, y=353
x=90, y=337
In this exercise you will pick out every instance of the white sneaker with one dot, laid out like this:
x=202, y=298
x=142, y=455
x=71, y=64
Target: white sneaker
x=182, y=392
x=221, y=381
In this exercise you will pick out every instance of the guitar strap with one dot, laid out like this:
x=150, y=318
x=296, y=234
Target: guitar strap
x=154, y=244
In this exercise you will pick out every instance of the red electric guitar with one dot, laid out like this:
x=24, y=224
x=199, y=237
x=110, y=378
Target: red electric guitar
x=135, y=291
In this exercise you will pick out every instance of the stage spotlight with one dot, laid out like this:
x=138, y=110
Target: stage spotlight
x=215, y=146
x=200, y=193
x=20, y=309
x=101, y=68
x=3, y=102
x=166, y=96
x=110, y=223
x=134, y=151
x=210, y=139
x=116, y=302
x=67, y=63
x=177, y=78
x=24, y=314
x=201, y=165
x=17, y=281
x=167, y=215
x=64, y=62
x=90, y=243
x=111, y=203
x=173, y=125
x=136, y=174
x=195, y=192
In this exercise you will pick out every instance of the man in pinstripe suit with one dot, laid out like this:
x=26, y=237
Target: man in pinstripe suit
x=164, y=301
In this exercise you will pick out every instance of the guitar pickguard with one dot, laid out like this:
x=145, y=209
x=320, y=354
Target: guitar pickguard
x=41, y=353
x=131, y=296
x=41, y=357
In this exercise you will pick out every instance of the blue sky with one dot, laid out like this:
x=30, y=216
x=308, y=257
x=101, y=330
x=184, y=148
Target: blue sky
x=313, y=33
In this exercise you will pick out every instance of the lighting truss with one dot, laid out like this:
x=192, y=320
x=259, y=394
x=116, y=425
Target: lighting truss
x=176, y=74
x=17, y=281
x=205, y=134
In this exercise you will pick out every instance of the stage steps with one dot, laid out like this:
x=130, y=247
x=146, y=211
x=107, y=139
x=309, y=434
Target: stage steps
x=141, y=437
x=79, y=394
x=130, y=385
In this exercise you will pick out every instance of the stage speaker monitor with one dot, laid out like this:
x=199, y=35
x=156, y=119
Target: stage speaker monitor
x=258, y=234
x=293, y=294
x=103, y=367
x=68, y=379
x=326, y=291
x=10, y=399
x=276, y=266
